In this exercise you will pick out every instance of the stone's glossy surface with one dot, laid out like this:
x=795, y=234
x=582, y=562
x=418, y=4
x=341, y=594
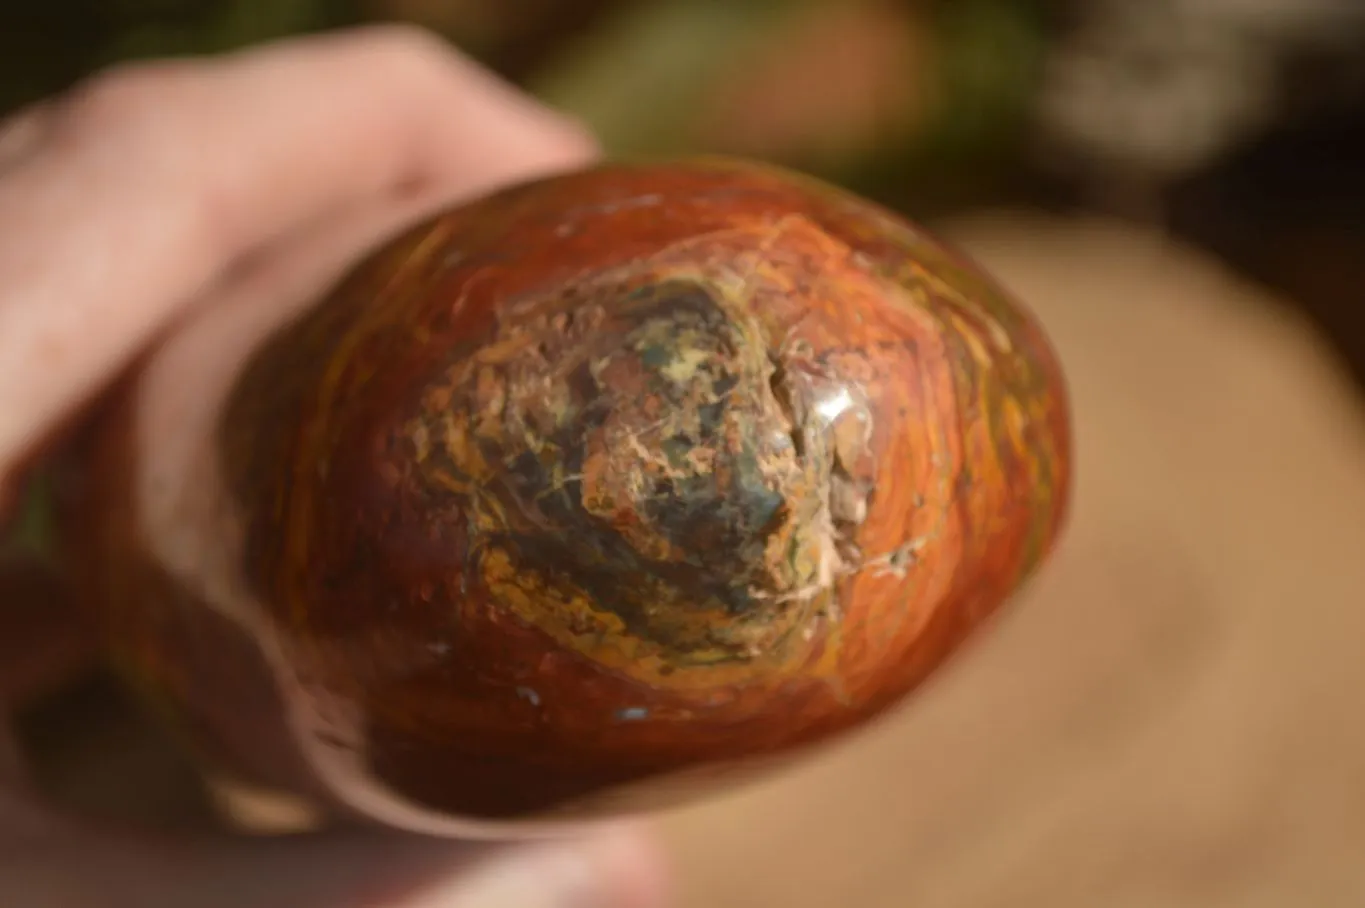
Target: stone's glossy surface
x=634, y=472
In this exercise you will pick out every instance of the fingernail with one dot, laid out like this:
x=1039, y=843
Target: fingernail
x=616, y=869
x=575, y=136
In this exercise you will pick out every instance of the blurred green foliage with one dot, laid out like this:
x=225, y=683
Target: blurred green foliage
x=149, y=28
x=639, y=72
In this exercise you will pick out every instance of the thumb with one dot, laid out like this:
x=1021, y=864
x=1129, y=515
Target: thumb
x=54, y=860
x=611, y=868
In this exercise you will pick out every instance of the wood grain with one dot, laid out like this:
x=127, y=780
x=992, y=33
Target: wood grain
x=1172, y=717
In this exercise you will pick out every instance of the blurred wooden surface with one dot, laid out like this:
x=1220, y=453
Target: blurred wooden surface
x=1172, y=716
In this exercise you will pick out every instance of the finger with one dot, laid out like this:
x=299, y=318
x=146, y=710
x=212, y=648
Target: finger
x=154, y=181
x=183, y=388
x=618, y=868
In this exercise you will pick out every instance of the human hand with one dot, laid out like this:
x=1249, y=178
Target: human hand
x=163, y=189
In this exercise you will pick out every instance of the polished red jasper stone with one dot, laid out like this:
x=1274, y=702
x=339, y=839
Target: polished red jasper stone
x=618, y=477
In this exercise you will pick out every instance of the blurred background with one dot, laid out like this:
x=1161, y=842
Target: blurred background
x=1234, y=123
x=1172, y=714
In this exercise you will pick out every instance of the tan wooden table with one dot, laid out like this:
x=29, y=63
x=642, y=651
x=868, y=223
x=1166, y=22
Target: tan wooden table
x=1172, y=716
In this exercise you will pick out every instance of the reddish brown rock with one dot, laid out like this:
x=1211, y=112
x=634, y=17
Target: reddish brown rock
x=631, y=473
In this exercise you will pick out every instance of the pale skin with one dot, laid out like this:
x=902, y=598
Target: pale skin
x=154, y=192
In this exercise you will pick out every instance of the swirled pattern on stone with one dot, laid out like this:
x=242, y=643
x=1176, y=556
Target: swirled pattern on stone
x=636, y=471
